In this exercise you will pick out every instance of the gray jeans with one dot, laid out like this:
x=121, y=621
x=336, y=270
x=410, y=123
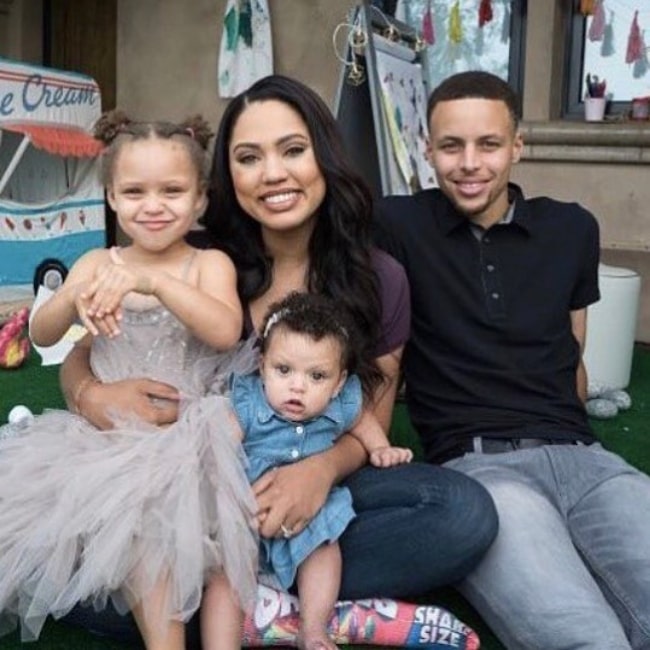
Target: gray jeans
x=570, y=567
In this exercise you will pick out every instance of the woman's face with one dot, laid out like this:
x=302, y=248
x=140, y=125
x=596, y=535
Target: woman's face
x=273, y=166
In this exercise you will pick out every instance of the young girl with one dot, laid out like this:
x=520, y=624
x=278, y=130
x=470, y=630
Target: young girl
x=302, y=399
x=138, y=514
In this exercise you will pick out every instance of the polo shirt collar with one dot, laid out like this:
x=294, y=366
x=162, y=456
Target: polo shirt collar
x=451, y=219
x=265, y=413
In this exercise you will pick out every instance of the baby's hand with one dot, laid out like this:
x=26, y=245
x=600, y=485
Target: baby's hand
x=107, y=325
x=389, y=456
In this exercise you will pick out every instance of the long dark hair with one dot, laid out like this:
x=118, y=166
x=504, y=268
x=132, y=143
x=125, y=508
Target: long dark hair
x=340, y=264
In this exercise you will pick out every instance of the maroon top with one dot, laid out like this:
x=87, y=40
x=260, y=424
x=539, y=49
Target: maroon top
x=395, y=300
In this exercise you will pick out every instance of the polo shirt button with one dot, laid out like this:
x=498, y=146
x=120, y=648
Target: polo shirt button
x=295, y=453
x=495, y=296
x=300, y=429
x=486, y=240
x=490, y=268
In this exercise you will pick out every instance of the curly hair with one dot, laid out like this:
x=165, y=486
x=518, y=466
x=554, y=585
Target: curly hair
x=340, y=248
x=114, y=128
x=317, y=317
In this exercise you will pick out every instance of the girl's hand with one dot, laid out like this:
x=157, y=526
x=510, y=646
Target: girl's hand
x=111, y=283
x=389, y=456
x=291, y=495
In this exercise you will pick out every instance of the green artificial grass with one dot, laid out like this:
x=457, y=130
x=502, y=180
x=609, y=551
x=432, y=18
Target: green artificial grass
x=37, y=387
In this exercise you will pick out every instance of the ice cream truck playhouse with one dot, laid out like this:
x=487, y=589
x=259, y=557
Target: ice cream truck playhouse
x=51, y=200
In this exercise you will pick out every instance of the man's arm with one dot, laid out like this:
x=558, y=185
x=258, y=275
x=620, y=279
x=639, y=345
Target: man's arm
x=579, y=328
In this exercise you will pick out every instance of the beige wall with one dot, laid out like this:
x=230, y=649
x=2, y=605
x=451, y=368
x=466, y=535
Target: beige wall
x=618, y=193
x=20, y=30
x=168, y=52
x=167, y=67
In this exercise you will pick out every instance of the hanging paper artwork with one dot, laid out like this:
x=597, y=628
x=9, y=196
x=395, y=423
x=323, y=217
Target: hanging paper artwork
x=403, y=99
x=634, y=45
x=485, y=14
x=246, y=52
x=597, y=27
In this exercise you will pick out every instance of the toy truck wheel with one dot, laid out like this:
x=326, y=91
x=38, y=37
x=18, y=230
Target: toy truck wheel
x=51, y=273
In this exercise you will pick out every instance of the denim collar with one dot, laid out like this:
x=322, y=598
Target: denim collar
x=265, y=413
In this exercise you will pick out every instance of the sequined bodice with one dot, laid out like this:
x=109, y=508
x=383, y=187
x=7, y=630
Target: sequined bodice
x=153, y=344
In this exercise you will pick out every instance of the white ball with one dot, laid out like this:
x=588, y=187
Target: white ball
x=20, y=413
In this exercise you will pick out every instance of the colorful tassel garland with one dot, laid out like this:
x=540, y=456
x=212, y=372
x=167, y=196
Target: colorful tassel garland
x=455, y=25
x=607, y=46
x=485, y=14
x=640, y=67
x=597, y=27
x=428, y=32
x=634, y=50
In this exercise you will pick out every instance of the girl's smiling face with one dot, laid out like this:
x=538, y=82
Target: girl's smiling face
x=156, y=192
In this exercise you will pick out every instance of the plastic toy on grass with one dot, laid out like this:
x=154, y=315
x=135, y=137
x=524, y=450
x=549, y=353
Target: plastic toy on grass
x=14, y=342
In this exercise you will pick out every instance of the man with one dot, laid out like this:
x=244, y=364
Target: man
x=495, y=384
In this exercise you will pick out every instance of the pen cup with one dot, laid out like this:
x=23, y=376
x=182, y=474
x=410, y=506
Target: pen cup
x=595, y=109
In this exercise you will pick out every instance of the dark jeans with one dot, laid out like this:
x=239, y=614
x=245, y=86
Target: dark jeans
x=418, y=527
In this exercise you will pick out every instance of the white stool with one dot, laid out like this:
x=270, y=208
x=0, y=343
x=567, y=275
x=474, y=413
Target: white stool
x=611, y=327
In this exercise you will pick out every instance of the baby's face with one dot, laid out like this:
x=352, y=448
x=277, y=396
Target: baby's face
x=301, y=375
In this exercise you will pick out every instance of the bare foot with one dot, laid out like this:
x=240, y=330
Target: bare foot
x=317, y=639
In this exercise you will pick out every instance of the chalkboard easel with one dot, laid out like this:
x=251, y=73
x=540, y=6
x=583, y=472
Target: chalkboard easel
x=379, y=44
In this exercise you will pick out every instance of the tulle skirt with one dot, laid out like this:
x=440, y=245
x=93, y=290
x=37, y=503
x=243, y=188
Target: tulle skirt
x=87, y=515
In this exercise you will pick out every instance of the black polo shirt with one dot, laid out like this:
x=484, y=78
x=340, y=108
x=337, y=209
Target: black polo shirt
x=491, y=350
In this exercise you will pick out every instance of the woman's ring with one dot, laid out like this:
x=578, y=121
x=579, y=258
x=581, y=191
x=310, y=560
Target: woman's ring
x=286, y=532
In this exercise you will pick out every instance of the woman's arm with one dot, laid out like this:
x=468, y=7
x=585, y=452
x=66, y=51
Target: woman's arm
x=291, y=495
x=86, y=395
x=384, y=399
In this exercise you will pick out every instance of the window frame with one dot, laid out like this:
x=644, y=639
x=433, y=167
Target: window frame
x=573, y=105
x=517, y=53
x=517, y=58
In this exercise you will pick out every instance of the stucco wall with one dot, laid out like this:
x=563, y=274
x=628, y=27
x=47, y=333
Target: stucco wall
x=168, y=52
x=167, y=67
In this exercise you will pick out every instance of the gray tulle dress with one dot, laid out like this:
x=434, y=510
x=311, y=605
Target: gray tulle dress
x=87, y=515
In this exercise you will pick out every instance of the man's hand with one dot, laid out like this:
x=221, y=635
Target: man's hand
x=152, y=401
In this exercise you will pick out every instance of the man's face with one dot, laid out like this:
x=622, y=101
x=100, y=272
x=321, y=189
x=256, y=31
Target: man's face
x=472, y=147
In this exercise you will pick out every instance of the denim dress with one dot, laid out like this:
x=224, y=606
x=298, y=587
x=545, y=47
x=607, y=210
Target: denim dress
x=271, y=441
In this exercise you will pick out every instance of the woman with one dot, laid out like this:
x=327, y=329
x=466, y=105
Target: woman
x=293, y=215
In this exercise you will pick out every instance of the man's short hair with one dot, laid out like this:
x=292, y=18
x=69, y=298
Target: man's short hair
x=475, y=84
